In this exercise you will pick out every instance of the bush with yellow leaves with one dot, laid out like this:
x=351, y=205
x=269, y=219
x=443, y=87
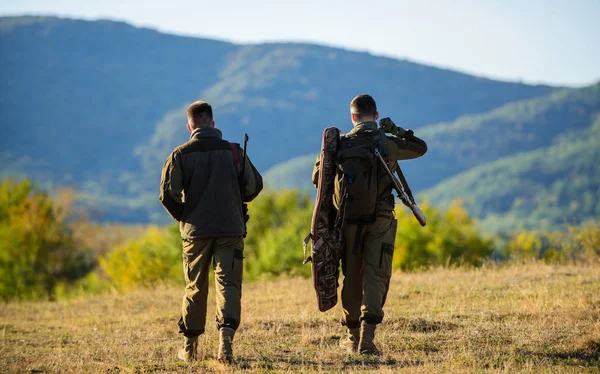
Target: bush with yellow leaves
x=449, y=238
x=152, y=259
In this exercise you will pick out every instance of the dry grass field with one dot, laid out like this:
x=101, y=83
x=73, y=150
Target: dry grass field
x=526, y=318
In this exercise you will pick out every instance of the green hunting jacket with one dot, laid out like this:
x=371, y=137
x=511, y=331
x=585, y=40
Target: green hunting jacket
x=200, y=186
x=403, y=147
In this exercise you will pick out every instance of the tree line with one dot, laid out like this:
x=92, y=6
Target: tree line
x=49, y=250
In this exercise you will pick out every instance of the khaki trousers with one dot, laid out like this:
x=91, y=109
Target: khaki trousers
x=226, y=255
x=367, y=269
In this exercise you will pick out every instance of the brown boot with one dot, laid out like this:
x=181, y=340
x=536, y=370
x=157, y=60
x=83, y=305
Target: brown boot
x=189, y=351
x=225, y=341
x=366, y=346
x=350, y=341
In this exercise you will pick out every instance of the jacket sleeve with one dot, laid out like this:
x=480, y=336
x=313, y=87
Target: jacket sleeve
x=315, y=173
x=171, y=186
x=407, y=146
x=253, y=182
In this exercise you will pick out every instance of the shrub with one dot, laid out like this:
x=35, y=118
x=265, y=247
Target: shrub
x=37, y=247
x=154, y=258
x=583, y=243
x=448, y=238
x=279, y=223
x=577, y=244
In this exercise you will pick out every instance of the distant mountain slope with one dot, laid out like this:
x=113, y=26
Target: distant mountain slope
x=100, y=104
x=514, y=128
x=292, y=174
x=529, y=164
x=81, y=95
x=475, y=139
x=284, y=95
x=99, y=89
x=545, y=188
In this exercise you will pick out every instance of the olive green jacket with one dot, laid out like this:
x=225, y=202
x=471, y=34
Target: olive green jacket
x=200, y=186
x=403, y=147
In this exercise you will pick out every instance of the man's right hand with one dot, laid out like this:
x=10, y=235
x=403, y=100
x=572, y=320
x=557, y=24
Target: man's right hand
x=390, y=127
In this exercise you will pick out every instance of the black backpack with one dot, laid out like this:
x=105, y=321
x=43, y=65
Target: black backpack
x=355, y=194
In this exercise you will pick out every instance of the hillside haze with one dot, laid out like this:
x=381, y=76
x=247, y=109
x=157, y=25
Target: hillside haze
x=528, y=164
x=543, y=188
x=100, y=104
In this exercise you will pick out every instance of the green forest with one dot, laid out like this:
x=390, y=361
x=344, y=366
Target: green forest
x=504, y=277
x=114, y=98
x=527, y=165
x=91, y=109
x=50, y=250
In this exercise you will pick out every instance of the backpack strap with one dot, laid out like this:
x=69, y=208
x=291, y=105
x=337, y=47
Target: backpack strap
x=382, y=145
x=237, y=160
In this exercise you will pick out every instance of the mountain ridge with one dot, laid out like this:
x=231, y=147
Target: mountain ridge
x=102, y=103
x=522, y=133
x=556, y=185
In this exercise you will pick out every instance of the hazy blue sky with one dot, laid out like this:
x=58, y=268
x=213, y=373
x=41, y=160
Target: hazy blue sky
x=547, y=41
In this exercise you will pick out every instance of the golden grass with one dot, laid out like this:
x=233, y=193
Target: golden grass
x=526, y=318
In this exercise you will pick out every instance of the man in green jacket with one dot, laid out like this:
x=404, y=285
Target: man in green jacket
x=369, y=246
x=200, y=188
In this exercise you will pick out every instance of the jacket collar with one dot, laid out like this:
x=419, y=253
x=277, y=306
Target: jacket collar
x=362, y=126
x=206, y=132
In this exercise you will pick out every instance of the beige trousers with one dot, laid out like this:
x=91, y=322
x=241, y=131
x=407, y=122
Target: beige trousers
x=367, y=269
x=226, y=255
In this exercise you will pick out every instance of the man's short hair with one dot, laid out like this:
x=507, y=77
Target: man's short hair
x=200, y=113
x=363, y=105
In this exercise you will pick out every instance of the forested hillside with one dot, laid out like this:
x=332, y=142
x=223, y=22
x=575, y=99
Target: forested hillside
x=541, y=189
x=104, y=87
x=526, y=155
x=514, y=128
x=98, y=105
x=286, y=94
x=77, y=96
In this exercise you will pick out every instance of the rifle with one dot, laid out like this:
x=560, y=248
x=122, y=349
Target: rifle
x=242, y=181
x=402, y=195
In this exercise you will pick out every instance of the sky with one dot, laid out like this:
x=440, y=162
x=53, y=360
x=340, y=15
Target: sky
x=535, y=41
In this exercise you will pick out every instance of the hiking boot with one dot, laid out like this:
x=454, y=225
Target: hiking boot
x=366, y=346
x=189, y=351
x=225, y=341
x=350, y=341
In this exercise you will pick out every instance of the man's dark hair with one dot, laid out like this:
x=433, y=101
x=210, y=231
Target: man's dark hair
x=363, y=105
x=200, y=113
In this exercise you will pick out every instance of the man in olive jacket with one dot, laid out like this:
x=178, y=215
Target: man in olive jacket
x=369, y=247
x=200, y=188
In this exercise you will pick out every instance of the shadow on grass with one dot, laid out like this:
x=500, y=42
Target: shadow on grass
x=279, y=362
x=587, y=356
x=423, y=325
x=376, y=363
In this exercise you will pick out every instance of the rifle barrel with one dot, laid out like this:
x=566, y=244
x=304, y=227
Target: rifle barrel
x=398, y=186
x=417, y=212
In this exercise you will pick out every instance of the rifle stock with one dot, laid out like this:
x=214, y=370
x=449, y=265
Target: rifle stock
x=402, y=195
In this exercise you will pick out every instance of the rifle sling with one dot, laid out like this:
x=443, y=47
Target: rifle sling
x=235, y=152
x=404, y=183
